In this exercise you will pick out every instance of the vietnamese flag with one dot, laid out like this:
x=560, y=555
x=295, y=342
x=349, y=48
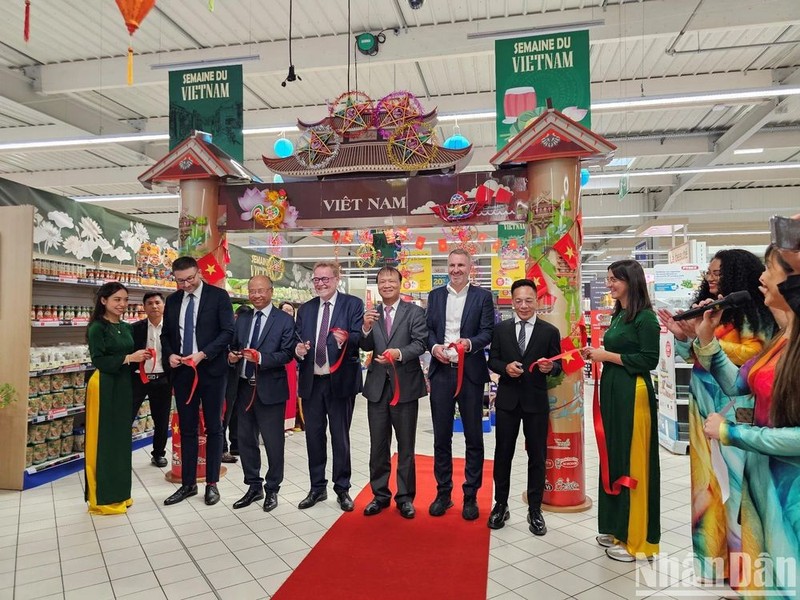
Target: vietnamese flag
x=483, y=193
x=573, y=361
x=211, y=269
x=503, y=195
x=568, y=250
x=420, y=242
x=536, y=275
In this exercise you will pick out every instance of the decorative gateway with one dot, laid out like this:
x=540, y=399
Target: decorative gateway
x=393, y=135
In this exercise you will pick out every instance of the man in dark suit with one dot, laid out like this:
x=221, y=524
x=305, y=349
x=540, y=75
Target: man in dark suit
x=198, y=326
x=330, y=377
x=265, y=339
x=517, y=344
x=396, y=327
x=158, y=391
x=459, y=314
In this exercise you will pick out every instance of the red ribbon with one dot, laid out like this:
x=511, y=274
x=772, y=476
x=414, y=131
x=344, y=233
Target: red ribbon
x=460, y=349
x=396, y=397
x=151, y=353
x=557, y=357
x=612, y=489
x=190, y=363
x=338, y=363
x=258, y=360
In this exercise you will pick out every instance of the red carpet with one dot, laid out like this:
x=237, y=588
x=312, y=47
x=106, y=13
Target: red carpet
x=389, y=557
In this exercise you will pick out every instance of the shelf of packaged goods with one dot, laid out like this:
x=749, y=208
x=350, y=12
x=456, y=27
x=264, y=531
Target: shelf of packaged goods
x=141, y=436
x=54, y=462
x=57, y=323
x=74, y=368
x=98, y=282
x=58, y=414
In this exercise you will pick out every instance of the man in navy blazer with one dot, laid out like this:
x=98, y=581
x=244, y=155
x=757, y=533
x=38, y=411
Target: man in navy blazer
x=329, y=328
x=522, y=397
x=198, y=325
x=460, y=314
x=264, y=337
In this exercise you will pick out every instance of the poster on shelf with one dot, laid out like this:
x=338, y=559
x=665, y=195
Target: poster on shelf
x=416, y=270
x=506, y=271
x=440, y=279
x=210, y=100
x=676, y=285
x=531, y=70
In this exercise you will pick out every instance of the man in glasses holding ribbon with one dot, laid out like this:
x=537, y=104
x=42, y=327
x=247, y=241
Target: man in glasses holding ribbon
x=263, y=343
x=197, y=329
x=395, y=333
x=329, y=328
x=520, y=354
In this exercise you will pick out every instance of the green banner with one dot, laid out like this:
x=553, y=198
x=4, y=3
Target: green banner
x=530, y=70
x=208, y=100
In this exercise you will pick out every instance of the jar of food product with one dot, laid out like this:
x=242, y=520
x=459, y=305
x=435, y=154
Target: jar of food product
x=53, y=449
x=44, y=384
x=56, y=382
x=67, y=425
x=69, y=397
x=39, y=454
x=33, y=407
x=45, y=403
x=33, y=387
x=66, y=444
x=31, y=432
x=53, y=430
x=79, y=440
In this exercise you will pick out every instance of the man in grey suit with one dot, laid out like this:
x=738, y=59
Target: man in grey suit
x=398, y=329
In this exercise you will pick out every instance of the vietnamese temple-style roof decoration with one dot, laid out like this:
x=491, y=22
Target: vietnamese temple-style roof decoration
x=196, y=157
x=553, y=135
x=393, y=135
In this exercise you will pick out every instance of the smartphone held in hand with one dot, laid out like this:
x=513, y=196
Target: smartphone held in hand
x=785, y=232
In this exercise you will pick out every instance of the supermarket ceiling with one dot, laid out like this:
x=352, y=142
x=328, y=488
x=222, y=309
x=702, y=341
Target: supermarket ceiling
x=718, y=163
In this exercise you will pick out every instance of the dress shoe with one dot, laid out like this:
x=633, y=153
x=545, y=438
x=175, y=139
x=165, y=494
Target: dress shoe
x=440, y=506
x=345, y=501
x=375, y=506
x=606, y=540
x=181, y=494
x=470, y=510
x=212, y=494
x=620, y=553
x=406, y=510
x=158, y=461
x=228, y=457
x=270, y=501
x=499, y=515
x=312, y=498
x=253, y=494
x=536, y=522
x=234, y=452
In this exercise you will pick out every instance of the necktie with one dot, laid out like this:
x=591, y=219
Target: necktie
x=521, y=338
x=321, y=351
x=250, y=367
x=388, y=321
x=188, y=328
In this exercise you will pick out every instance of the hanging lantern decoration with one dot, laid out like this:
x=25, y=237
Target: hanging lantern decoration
x=456, y=141
x=584, y=177
x=26, y=30
x=276, y=178
x=134, y=12
x=283, y=147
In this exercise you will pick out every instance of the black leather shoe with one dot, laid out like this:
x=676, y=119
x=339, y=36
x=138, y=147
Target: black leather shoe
x=440, y=506
x=470, y=510
x=181, y=494
x=253, y=495
x=345, y=501
x=227, y=457
x=312, y=498
x=212, y=494
x=158, y=461
x=375, y=506
x=270, y=501
x=498, y=516
x=536, y=522
x=406, y=510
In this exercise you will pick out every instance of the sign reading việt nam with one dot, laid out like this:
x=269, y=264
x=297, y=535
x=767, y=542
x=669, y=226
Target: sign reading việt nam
x=207, y=100
x=530, y=70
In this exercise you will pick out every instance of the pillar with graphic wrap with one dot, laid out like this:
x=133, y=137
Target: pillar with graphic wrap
x=554, y=147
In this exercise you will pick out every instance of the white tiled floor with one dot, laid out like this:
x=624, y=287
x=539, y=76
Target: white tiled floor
x=51, y=548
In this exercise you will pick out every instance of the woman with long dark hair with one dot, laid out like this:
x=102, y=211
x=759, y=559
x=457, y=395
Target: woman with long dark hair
x=109, y=401
x=742, y=333
x=629, y=517
x=770, y=496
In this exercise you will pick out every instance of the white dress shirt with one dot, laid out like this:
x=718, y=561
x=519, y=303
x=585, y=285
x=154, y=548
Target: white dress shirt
x=394, y=316
x=528, y=329
x=454, y=310
x=326, y=368
x=264, y=316
x=154, y=341
x=184, y=305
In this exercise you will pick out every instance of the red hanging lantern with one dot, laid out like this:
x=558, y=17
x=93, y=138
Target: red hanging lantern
x=26, y=31
x=134, y=12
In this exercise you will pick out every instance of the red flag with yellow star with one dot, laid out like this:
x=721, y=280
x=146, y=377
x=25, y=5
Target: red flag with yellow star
x=573, y=361
x=211, y=269
x=536, y=275
x=568, y=250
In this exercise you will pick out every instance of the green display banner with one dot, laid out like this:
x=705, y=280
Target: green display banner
x=530, y=70
x=208, y=100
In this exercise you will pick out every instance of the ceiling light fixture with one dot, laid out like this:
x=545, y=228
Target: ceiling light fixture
x=700, y=170
x=543, y=30
x=201, y=64
x=749, y=151
x=675, y=99
x=86, y=141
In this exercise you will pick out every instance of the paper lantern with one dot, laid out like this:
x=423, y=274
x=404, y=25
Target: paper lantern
x=276, y=178
x=456, y=142
x=283, y=147
x=134, y=12
x=584, y=177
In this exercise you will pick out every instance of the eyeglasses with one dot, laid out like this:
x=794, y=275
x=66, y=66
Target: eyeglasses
x=612, y=280
x=713, y=275
x=189, y=279
x=323, y=280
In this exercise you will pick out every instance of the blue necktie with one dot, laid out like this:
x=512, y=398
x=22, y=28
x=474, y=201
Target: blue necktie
x=188, y=328
x=250, y=367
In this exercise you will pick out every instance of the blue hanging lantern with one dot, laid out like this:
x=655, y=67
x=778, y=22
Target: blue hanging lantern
x=283, y=147
x=456, y=142
x=584, y=177
x=276, y=178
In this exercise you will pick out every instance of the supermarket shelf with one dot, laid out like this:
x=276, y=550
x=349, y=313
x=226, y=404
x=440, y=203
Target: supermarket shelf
x=57, y=414
x=674, y=446
x=63, y=369
x=97, y=282
x=57, y=323
x=141, y=436
x=54, y=462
